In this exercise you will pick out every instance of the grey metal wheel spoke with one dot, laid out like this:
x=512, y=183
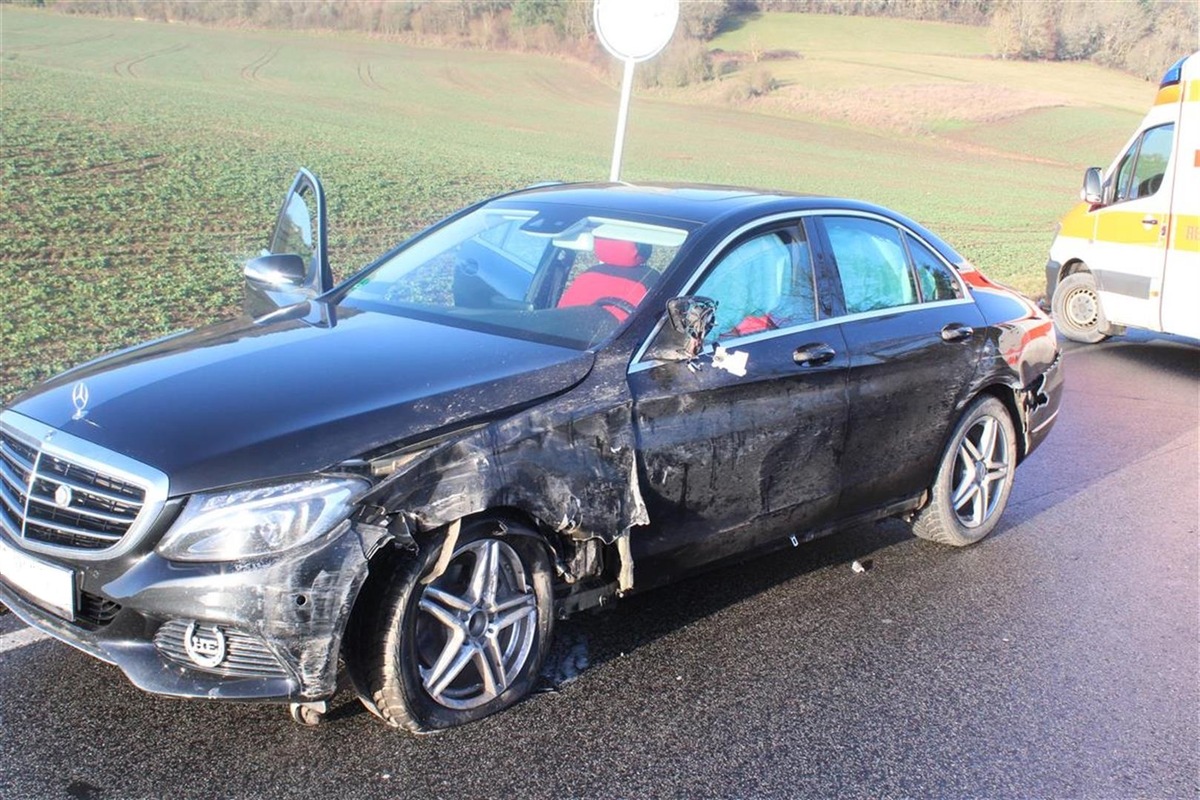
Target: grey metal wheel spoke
x=513, y=611
x=482, y=574
x=965, y=492
x=967, y=451
x=490, y=662
x=442, y=605
x=450, y=663
x=983, y=503
x=987, y=439
x=449, y=601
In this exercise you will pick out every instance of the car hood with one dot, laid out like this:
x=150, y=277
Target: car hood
x=242, y=401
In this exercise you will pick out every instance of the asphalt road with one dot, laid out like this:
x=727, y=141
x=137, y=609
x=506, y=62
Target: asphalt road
x=1058, y=658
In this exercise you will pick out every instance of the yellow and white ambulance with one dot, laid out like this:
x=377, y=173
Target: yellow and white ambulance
x=1129, y=254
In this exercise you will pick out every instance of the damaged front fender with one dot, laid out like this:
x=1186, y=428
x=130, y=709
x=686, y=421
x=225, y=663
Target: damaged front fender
x=568, y=464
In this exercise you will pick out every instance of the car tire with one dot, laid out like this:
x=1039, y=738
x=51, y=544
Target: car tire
x=974, y=478
x=439, y=653
x=1077, y=310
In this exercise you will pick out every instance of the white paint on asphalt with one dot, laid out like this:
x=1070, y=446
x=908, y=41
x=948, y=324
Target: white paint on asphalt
x=21, y=638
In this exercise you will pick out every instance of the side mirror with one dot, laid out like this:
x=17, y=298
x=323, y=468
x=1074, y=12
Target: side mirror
x=1092, y=189
x=294, y=267
x=692, y=320
x=276, y=271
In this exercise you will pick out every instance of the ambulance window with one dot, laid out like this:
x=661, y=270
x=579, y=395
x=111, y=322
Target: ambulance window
x=1142, y=168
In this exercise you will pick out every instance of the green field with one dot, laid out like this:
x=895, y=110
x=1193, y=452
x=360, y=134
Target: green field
x=142, y=162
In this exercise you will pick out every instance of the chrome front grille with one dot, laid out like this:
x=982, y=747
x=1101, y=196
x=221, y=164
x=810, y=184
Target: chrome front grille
x=58, y=491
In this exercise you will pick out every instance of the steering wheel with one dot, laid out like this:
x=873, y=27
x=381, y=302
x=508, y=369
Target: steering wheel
x=617, y=303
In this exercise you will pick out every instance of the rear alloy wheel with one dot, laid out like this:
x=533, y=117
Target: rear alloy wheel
x=468, y=643
x=1077, y=310
x=974, y=479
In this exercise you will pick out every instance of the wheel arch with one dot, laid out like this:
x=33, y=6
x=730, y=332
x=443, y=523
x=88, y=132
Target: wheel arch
x=512, y=520
x=1072, y=266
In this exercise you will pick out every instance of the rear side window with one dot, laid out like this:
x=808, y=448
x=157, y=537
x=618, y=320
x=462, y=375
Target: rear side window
x=872, y=264
x=933, y=276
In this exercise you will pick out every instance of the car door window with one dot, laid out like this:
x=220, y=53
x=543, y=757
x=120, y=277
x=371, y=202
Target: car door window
x=935, y=279
x=763, y=283
x=1142, y=167
x=872, y=264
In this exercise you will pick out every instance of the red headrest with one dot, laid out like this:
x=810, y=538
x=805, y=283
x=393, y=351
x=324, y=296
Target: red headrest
x=620, y=253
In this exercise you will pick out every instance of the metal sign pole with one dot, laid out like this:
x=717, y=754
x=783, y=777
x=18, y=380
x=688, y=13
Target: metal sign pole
x=622, y=118
x=633, y=31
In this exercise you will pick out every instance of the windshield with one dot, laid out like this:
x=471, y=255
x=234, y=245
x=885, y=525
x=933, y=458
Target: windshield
x=562, y=274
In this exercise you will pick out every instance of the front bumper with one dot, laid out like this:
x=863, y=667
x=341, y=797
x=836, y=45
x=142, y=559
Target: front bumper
x=1053, y=269
x=278, y=621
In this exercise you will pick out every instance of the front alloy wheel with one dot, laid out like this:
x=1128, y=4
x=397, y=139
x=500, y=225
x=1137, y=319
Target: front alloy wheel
x=476, y=625
x=436, y=652
x=974, y=478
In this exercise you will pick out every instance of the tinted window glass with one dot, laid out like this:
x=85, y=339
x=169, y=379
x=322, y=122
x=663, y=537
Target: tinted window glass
x=935, y=278
x=871, y=263
x=764, y=283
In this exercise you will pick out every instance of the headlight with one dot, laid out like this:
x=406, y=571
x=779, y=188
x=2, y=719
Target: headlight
x=248, y=523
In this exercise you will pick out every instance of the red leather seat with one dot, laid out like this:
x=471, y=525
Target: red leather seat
x=618, y=283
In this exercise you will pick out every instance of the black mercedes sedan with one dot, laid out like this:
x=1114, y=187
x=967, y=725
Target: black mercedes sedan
x=549, y=400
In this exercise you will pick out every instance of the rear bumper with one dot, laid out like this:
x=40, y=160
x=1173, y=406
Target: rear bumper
x=1042, y=399
x=276, y=623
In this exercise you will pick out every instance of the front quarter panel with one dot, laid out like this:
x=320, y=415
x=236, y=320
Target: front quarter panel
x=568, y=463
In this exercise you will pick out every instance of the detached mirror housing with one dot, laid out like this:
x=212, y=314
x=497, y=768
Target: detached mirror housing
x=1092, y=191
x=294, y=267
x=691, y=321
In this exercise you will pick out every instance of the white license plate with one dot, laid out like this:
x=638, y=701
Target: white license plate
x=46, y=584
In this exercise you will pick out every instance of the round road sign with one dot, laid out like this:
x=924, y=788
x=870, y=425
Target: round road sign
x=635, y=30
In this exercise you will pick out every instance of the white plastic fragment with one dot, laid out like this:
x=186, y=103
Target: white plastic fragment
x=732, y=361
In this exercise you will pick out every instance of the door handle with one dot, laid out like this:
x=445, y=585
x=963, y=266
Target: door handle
x=957, y=332
x=811, y=355
x=1148, y=221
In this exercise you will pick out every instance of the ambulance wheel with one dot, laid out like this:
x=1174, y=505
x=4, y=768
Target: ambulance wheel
x=1077, y=310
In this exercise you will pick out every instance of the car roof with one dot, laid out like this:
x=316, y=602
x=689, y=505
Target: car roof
x=704, y=203
x=693, y=202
